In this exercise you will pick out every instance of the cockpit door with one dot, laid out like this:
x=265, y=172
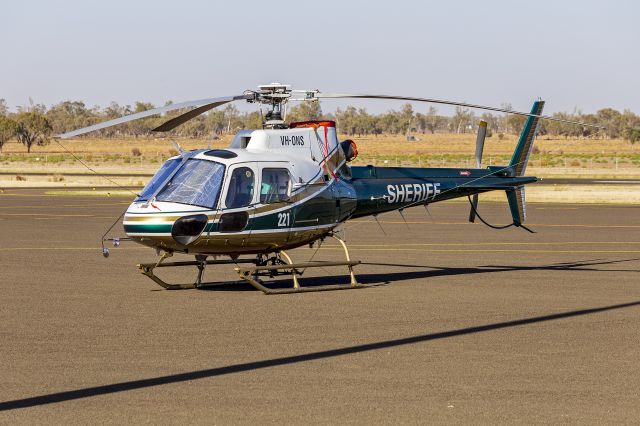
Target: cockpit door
x=238, y=203
x=275, y=215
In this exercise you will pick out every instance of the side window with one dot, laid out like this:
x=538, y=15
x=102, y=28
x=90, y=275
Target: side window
x=240, y=192
x=275, y=186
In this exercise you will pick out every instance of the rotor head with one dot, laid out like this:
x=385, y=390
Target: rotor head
x=275, y=95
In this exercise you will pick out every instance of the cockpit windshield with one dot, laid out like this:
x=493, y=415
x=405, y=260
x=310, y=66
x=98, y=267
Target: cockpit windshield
x=197, y=182
x=158, y=179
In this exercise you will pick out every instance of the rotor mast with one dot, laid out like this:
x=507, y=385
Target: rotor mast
x=275, y=95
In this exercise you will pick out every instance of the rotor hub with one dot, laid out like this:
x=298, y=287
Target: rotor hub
x=275, y=95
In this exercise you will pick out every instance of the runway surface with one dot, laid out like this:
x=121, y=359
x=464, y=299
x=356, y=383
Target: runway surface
x=470, y=325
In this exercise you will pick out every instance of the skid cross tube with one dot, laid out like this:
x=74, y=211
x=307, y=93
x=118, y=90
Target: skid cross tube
x=250, y=273
x=247, y=273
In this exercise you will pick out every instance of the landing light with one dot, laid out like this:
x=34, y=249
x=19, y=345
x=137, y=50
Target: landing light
x=187, y=229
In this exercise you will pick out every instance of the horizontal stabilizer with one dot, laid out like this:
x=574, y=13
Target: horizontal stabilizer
x=527, y=137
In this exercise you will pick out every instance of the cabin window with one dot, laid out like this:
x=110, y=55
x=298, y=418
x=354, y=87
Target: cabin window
x=240, y=192
x=275, y=186
x=197, y=183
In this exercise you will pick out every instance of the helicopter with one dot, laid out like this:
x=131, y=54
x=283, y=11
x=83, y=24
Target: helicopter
x=288, y=185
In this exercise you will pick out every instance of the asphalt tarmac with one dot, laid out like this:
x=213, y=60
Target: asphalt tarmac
x=466, y=325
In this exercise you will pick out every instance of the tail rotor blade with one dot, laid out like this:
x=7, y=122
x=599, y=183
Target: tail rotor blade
x=482, y=133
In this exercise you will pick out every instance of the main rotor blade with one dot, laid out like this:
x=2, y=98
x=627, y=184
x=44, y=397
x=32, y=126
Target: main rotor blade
x=200, y=104
x=183, y=118
x=440, y=101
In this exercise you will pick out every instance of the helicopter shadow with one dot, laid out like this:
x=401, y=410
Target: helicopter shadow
x=423, y=272
x=244, y=367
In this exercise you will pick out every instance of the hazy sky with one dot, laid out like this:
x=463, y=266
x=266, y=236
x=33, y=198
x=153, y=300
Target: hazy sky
x=571, y=53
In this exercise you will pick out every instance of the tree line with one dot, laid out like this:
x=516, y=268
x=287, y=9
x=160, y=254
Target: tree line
x=34, y=124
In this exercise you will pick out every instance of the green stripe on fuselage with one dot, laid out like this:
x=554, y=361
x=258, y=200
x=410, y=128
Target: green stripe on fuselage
x=149, y=228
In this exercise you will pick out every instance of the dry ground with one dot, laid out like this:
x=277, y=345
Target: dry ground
x=434, y=150
x=439, y=143
x=561, y=158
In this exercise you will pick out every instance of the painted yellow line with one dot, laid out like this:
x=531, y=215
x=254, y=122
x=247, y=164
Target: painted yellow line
x=540, y=225
x=60, y=218
x=62, y=195
x=491, y=244
x=549, y=225
x=557, y=208
x=99, y=249
x=47, y=215
x=483, y=250
x=62, y=206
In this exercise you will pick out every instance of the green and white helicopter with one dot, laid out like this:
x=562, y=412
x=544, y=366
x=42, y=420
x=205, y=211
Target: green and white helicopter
x=289, y=185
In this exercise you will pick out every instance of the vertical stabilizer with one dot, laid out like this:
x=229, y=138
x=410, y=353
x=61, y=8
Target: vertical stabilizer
x=525, y=143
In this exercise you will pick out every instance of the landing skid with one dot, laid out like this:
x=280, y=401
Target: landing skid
x=148, y=270
x=251, y=274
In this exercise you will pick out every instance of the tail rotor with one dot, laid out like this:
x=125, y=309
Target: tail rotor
x=482, y=133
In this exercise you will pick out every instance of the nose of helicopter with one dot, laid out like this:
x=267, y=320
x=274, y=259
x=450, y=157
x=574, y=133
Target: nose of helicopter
x=163, y=224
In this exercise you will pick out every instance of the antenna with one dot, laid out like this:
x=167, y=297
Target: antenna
x=375, y=216
x=177, y=146
x=401, y=211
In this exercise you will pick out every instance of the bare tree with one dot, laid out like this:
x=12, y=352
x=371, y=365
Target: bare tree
x=8, y=129
x=4, y=108
x=462, y=119
x=305, y=111
x=33, y=128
